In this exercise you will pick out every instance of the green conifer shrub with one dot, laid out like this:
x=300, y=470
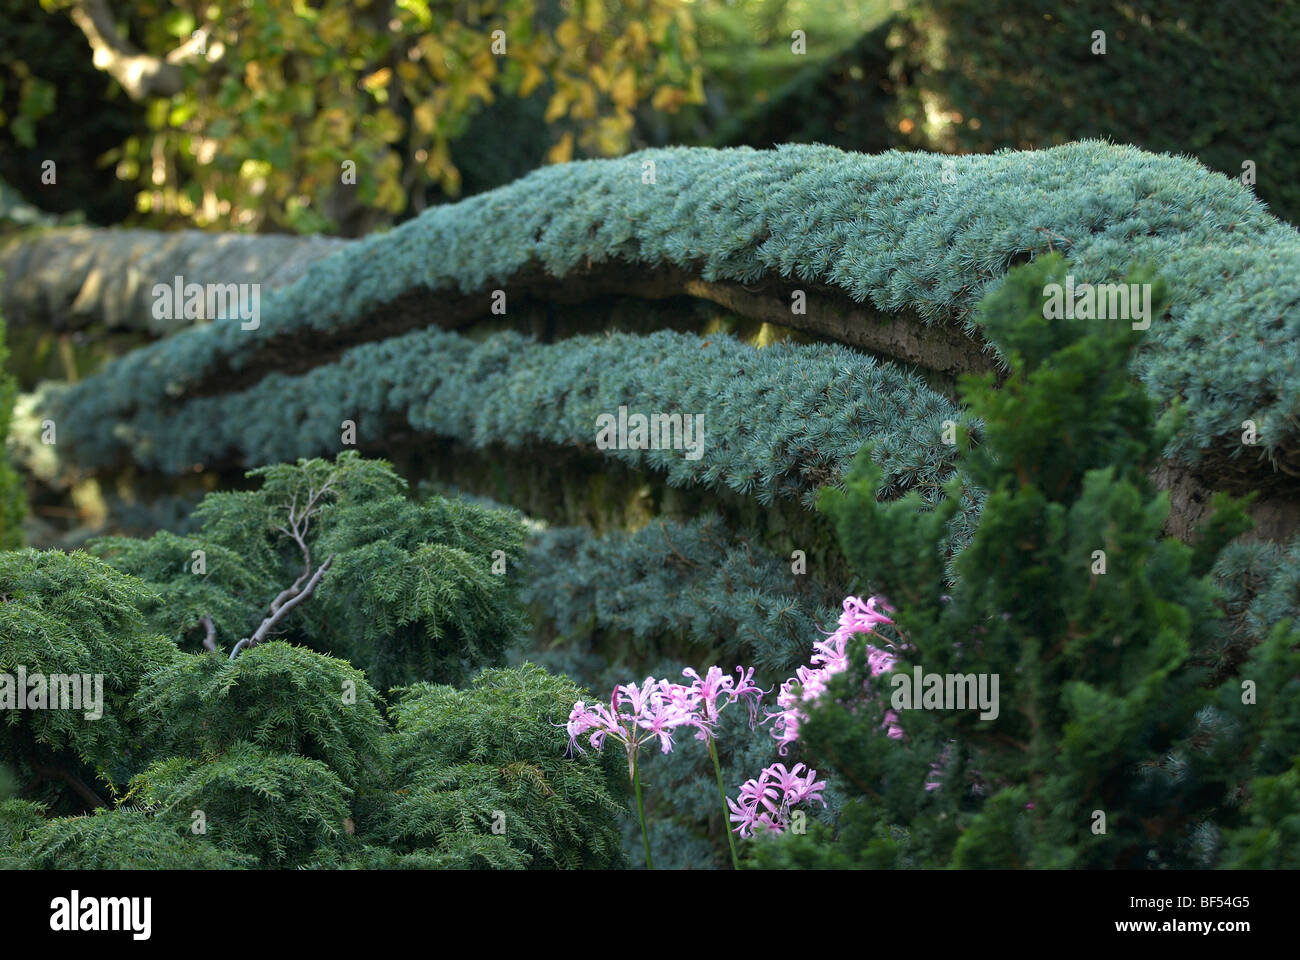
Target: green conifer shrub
x=120, y=839
x=11, y=490
x=71, y=614
x=279, y=807
x=694, y=590
x=777, y=420
x=271, y=753
x=1266, y=833
x=180, y=595
x=1107, y=700
x=277, y=697
x=909, y=233
x=1268, y=574
x=466, y=759
x=410, y=593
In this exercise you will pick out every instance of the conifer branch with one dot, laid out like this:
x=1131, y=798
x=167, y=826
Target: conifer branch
x=292, y=602
x=304, y=586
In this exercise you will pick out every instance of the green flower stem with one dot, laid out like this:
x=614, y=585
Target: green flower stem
x=640, y=812
x=722, y=794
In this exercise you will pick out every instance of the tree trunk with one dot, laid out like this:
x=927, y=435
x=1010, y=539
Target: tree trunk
x=72, y=278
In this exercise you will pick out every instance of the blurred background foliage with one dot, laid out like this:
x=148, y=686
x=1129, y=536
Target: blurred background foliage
x=241, y=114
x=255, y=106
x=974, y=76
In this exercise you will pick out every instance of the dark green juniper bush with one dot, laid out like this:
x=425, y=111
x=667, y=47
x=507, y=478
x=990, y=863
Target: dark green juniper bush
x=403, y=590
x=1113, y=745
x=11, y=488
x=285, y=755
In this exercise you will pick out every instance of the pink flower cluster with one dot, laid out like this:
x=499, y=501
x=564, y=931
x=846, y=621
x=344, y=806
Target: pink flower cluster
x=830, y=656
x=767, y=801
x=639, y=714
x=716, y=684
x=635, y=715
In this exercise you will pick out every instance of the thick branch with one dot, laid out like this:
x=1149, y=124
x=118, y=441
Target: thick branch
x=140, y=74
x=283, y=611
x=269, y=623
x=71, y=779
x=78, y=278
x=291, y=591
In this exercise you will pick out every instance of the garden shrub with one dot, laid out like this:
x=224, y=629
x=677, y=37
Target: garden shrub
x=69, y=614
x=273, y=754
x=778, y=422
x=411, y=593
x=121, y=839
x=11, y=488
x=1100, y=630
x=277, y=807
x=464, y=759
x=694, y=589
x=276, y=697
x=916, y=232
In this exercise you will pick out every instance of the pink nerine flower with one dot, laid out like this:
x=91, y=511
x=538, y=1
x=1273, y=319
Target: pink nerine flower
x=890, y=723
x=598, y=720
x=829, y=657
x=767, y=801
x=715, y=685
x=635, y=716
x=746, y=688
x=859, y=617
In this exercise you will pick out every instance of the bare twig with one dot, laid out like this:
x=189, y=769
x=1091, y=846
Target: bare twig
x=282, y=611
x=210, y=633
x=299, y=522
